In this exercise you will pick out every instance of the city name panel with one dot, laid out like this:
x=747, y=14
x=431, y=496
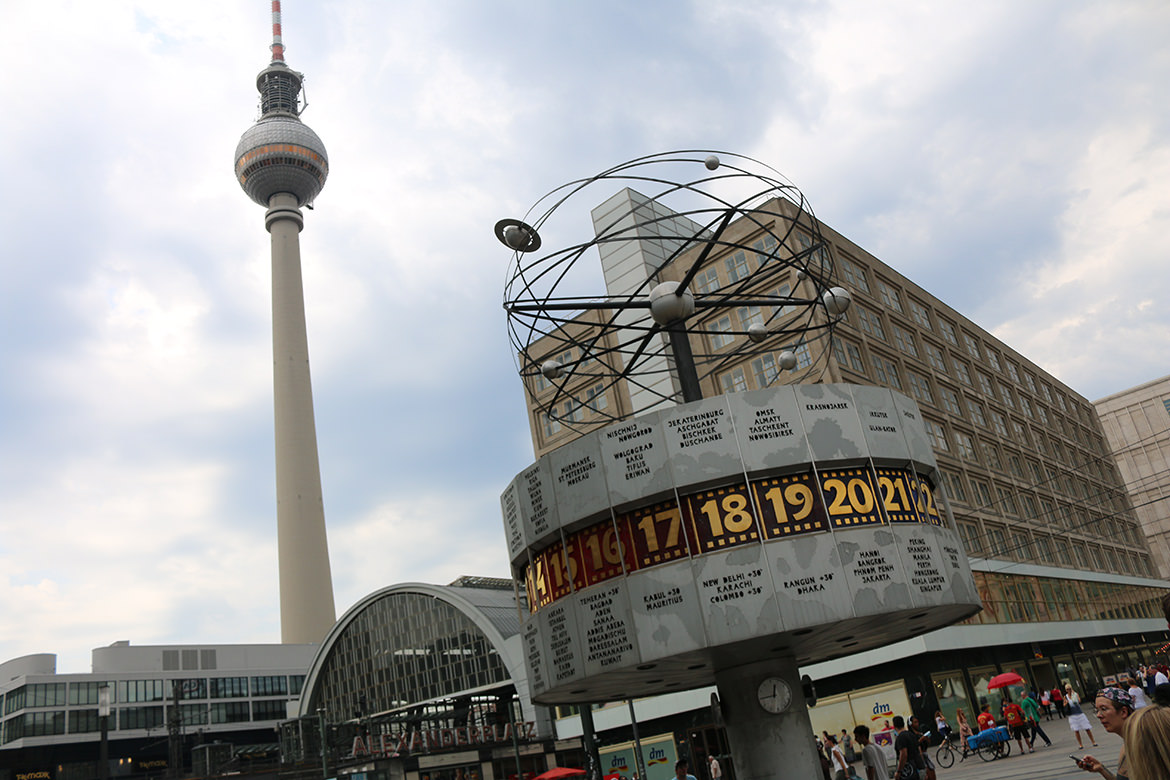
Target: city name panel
x=802, y=521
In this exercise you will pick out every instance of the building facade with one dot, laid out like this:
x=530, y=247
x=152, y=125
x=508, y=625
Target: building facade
x=1066, y=577
x=232, y=694
x=1137, y=428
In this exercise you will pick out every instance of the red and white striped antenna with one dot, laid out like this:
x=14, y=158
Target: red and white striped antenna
x=277, y=44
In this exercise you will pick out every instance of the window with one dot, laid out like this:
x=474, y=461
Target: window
x=890, y=297
x=1021, y=432
x=966, y=446
x=84, y=692
x=996, y=541
x=228, y=688
x=595, y=398
x=999, y=424
x=1007, y=501
x=706, y=281
x=954, y=487
x=83, y=721
x=270, y=686
x=970, y=534
x=720, y=332
x=854, y=275
x=905, y=341
x=962, y=372
x=1044, y=391
x=886, y=372
x=764, y=370
x=551, y=426
x=934, y=356
x=141, y=690
x=1005, y=393
x=1026, y=405
x=937, y=434
x=1013, y=372
x=920, y=314
x=993, y=360
x=848, y=355
x=45, y=695
x=230, y=712
x=870, y=323
x=783, y=291
x=765, y=248
x=985, y=384
x=972, y=345
x=734, y=381
x=991, y=455
x=749, y=315
x=948, y=332
x=572, y=411
x=1042, y=413
x=1029, y=381
x=982, y=493
x=976, y=413
x=950, y=401
x=803, y=356
x=737, y=266
x=269, y=709
x=920, y=388
x=1029, y=506
x=140, y=717
x=1015, y=466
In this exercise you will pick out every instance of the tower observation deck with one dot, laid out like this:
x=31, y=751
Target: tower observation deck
x=282, y=165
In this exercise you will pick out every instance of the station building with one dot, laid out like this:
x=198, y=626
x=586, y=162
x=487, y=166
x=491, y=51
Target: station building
x=234, y=695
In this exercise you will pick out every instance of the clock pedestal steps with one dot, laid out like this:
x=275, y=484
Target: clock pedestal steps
x=767, y=740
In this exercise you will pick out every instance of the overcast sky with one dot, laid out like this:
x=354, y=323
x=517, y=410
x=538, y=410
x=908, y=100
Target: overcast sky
x=1011, y=157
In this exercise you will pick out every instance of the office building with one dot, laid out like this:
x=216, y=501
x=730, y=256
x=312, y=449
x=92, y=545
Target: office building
x=1137, y=427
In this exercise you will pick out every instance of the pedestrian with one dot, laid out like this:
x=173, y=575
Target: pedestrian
x=837, y=759
x=846, y=743
x=1077, y=720
x=1147, y=744
x=1046, y=704
x=1114, y=709
x=1058, y=701
x=1014, y=716
x=986, y=720
x=910, y=762
x=1138, y=694
x=923, y=747
x=680, y=770
x=1032, y=716
x=713, y=768
x=964, y=728
x=873, y=760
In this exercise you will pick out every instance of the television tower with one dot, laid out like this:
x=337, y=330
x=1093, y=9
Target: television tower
x=282, y=165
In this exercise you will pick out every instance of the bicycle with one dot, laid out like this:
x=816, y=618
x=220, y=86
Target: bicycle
x=945, y=755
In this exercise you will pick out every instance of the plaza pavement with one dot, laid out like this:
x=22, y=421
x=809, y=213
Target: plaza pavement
x=1047, y=763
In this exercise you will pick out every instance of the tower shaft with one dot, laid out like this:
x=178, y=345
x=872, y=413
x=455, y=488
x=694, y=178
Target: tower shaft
x=306, y=586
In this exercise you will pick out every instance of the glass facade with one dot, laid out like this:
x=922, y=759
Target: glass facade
x=402, y=649
x=1015, y=598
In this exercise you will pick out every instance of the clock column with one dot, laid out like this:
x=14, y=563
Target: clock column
x=766, y=745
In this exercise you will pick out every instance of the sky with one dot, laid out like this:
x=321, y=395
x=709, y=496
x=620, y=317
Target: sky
x=1011, y=158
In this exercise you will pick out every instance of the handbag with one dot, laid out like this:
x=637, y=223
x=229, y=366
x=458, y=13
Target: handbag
x=909, y=772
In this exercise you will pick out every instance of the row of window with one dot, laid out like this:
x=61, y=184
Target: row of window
x=1017, y=543
x=1006, y=429
x=1013, y=598
x=871, y=322
x=55, y=722
x=574, y=408
x=59, y=694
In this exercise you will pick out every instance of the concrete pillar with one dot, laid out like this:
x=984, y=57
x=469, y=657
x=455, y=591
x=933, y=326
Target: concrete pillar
x=765, y=745
x=306, y=585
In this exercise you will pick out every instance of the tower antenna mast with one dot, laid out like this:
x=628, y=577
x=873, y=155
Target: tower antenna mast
x=282, y=165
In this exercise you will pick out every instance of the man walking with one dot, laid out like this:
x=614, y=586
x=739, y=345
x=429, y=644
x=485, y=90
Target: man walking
x=910, y=764
x=872, y=757
x=1032, y=718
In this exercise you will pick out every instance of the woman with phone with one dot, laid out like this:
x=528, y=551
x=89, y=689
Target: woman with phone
x=1114, y=707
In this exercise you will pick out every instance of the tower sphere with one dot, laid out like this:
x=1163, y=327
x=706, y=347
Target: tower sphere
x=280, y=153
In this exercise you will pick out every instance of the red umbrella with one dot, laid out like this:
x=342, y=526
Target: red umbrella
x=1004, y=680
x=558, y=772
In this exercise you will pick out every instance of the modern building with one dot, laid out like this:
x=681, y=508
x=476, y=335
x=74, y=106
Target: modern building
x=282, y=165
x=424, y=681
x=234, y=695
x=1066, y=577
x=1137, y=427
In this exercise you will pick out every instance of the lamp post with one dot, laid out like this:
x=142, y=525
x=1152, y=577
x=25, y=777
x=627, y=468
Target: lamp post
x=104, y=716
